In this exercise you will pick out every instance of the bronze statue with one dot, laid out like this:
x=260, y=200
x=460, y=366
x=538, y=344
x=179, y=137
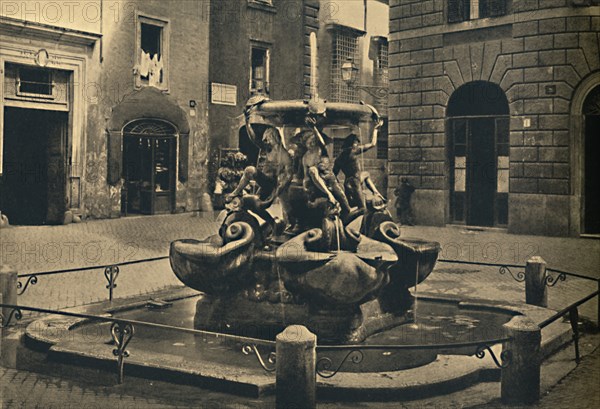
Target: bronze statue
x=340, y=283
x=318, y=171
x=348, y=162
x=274, y=177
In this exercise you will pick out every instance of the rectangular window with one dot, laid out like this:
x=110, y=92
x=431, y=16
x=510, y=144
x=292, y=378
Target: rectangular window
x=380, y=70
x=492, y=8
x=344, y=49
x=152, y=52
x=458, y=10
x=151, y=39
x=465, y=10
x=35, y=82
x=382, y=141
x=382, y=76
x=259, y=70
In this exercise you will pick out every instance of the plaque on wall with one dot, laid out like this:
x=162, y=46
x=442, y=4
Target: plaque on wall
x=223, y=94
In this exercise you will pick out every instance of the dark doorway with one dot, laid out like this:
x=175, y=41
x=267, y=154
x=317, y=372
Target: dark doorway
x=149, y=155
x=481, y=172
x=247, y=146
x=592, y=164
x=478, y=135
x=34, y=160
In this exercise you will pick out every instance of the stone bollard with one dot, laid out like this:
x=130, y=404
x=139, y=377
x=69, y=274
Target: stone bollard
x=206, y=203
x=296, y=371
x=8, y=288
x=520, y=379
x=536, y=291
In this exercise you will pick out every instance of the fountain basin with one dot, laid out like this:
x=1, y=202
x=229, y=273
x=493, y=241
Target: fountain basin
x=342, y=295
x=215, y=361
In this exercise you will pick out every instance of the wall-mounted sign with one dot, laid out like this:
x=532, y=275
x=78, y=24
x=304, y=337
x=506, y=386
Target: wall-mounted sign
x=223, y=94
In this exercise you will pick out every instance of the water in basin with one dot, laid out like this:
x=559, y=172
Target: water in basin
x=439, y=323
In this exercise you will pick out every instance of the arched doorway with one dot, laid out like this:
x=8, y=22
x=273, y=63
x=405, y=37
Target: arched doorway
x=478, y=154
x=591, y=182
x=149, y=166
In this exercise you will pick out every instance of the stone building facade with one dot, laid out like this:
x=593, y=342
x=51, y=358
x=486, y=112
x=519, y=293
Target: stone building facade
x=357, y=32
x=249, y=37
x=258, y=47
x=494, y=112
x=104, y=108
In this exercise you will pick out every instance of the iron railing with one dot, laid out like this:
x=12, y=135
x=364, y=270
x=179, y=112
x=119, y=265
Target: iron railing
x=123, y=330
x=573, y=312
x=111, y=272
x=355, y=353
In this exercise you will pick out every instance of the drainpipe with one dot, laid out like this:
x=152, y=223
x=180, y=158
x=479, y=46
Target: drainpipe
x=365, y=20
x=101, y=45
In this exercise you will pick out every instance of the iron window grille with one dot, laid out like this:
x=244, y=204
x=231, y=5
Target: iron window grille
x=465, y=10
x=35, y=82
x=381, y=74
x=344, y=48
x=382, y=141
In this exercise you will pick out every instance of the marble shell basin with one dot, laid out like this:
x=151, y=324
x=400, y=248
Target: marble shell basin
x=335, y=277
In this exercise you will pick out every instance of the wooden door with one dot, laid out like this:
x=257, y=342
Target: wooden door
x=57, y=167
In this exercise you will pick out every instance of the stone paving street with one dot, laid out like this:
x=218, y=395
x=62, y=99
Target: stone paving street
x=104, y=242
x=97, y=243
x=580, y=256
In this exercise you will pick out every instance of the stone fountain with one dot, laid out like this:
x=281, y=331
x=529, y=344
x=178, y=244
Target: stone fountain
x=342, y=282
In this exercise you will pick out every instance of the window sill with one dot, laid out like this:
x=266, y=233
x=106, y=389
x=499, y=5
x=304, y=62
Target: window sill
x=140, y=84
x=164, y=90
x=478, y=21
x=258, y=5
x=481, y=22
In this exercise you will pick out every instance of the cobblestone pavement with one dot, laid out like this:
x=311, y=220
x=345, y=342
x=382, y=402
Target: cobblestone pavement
x=580, y=256
x=98, y=243
x=104, y=242
x=23, y=389
x=579, y=390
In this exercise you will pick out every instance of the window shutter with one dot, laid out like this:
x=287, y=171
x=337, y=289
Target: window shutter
x=115, y=157
x=184, y=149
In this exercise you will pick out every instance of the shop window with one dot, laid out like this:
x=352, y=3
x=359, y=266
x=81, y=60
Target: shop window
x=152, y=52
x=465, y=10
x=149, y=159
x=259, y=70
